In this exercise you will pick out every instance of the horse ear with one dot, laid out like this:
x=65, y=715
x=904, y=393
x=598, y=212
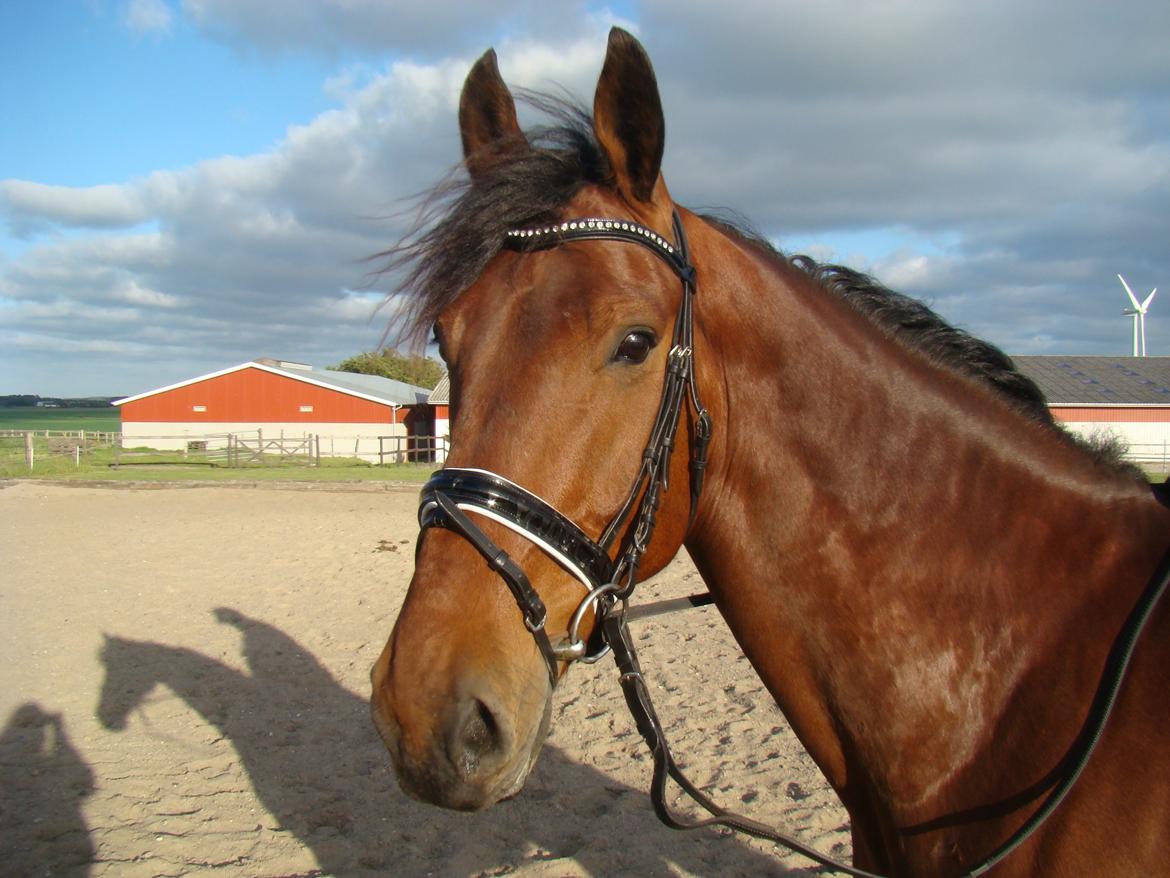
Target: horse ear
x=627, y=117
x=487, y=117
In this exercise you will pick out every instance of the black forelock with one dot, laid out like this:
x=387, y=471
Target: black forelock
x=462, y=223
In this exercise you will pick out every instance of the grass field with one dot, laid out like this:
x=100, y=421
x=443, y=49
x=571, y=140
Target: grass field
x=105, y=419
x=107, y=464
x=102, y=463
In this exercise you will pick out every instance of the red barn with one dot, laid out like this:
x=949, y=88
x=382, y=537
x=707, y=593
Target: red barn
x=282, y=399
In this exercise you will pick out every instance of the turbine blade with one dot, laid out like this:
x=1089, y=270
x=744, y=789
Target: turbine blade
x=1149, y=298
x=1129, y=292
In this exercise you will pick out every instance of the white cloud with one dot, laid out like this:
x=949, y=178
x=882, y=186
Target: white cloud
x=131, y=291
x=54, y=344
x=330, y=27
x=350, y=306
x=32, y=206
x=1029, y=140
x=245, y=256
x=908, y=271
x=148, y=17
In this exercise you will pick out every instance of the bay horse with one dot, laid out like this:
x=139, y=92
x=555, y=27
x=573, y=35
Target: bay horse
x=926, y=572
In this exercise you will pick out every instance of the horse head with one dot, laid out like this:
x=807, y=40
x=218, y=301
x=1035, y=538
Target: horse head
x=128, y=680
x=557, y=354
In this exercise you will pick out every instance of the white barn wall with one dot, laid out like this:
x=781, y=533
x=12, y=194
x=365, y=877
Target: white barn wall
x=337, y=440
x=1147, y=440
x=442, y=438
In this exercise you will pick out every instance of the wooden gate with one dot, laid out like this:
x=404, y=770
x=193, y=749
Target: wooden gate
x=245, y=451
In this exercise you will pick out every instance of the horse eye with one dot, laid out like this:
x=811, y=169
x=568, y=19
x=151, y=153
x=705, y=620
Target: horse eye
x=635, y=347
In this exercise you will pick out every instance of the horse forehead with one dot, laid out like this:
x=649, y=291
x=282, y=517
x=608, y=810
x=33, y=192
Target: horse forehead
x=534, y=299
x=511, y=273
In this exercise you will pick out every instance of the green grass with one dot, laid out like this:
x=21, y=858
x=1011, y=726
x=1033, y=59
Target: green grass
x=100, y=464
x=104, y=419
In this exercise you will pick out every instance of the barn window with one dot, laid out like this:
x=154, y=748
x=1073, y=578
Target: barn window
x=306, y=408
x=198, y=408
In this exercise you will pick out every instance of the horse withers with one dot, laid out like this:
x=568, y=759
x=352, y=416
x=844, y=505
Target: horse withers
x=932, y=610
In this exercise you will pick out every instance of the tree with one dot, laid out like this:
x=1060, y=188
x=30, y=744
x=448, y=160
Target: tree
x=413, y=368
x=19, y=400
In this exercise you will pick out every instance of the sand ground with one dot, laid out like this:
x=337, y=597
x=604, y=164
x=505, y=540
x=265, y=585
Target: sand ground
x=185, y=684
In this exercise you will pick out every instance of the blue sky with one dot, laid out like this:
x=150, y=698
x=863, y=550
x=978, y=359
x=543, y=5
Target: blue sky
x=90, y=99
x=189, y=184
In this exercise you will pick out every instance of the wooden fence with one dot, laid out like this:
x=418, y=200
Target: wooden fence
x=59, y=443
x=245, y=451
x=66, y=438
x=1151, y=455
x=250, y=448
x=411, y=449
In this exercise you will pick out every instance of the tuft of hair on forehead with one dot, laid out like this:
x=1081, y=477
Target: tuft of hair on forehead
x=460, y=224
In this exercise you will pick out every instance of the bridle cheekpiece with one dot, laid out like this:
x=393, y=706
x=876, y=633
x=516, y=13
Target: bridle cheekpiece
x=454, y=492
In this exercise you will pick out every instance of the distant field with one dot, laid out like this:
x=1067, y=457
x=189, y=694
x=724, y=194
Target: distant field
x=104, y=419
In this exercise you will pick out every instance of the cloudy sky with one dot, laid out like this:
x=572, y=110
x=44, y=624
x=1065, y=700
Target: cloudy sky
x=188, y=184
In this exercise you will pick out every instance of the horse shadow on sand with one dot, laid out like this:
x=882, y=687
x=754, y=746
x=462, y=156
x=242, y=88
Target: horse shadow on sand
x=318, y=767
x=43, y=780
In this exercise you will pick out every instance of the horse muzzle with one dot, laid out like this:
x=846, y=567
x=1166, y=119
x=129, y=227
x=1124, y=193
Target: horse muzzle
x=468, y=751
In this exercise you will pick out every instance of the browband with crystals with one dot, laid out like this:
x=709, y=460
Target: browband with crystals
x=598, y=229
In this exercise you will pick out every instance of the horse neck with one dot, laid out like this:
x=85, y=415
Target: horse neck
x=202, y=682
x=898, y=551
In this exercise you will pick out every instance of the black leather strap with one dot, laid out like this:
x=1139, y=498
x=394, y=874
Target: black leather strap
x=450, y=516
x=524, y=510
x=617, y=634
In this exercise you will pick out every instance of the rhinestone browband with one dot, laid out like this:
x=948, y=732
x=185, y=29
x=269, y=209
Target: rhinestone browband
x=542, y=237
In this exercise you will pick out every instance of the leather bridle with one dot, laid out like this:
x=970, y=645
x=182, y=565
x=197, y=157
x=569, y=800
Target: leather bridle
x=608, y=579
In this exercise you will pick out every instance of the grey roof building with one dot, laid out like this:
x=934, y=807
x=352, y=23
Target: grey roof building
x=1100, y=381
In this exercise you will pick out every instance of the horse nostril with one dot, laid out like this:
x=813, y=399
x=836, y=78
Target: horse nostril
x=476, y=737
x=480, y=732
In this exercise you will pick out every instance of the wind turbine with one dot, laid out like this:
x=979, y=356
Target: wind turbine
x=1138, y=312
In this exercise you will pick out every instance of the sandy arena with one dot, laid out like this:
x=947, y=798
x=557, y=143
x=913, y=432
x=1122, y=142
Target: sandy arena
x=185, y=694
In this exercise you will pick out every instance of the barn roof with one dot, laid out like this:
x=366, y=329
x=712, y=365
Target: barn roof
x=441, y=395
x=372, y=387
x=1100, y=381
x=392, y=391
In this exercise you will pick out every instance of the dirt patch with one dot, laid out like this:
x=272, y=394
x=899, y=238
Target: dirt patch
x=185, y=694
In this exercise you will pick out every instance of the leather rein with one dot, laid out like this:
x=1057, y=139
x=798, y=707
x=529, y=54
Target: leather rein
x=453, y=492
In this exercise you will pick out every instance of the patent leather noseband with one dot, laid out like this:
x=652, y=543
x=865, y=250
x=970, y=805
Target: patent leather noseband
x=452, y=493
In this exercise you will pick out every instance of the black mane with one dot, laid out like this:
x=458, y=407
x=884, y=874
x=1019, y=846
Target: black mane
x=461, y=227
x=912, y=323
